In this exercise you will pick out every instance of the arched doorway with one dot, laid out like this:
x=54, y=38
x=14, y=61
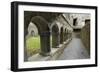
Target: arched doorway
x=32, y=40
x=44, y=35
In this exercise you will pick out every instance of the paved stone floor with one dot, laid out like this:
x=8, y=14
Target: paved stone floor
x=74, y=50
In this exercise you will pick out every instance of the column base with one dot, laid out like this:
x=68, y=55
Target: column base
x=56, y=47
x=44, y=54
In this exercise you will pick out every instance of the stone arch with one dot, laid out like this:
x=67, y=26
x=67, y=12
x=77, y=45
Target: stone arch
x=55, y=36
x=41, y=23
x=44, y=33
x=61, y=35
x=32, y=29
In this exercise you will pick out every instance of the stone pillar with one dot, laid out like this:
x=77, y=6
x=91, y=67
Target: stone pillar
x=65, y=36
x=61, y=36
x=45, y=43
x=25, y=53
x=55, y=40
x=25, y=48
x=71, y=35
x=68, y=35
x=61, y=39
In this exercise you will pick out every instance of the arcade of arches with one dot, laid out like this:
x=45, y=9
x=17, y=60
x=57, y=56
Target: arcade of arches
x=55, y=32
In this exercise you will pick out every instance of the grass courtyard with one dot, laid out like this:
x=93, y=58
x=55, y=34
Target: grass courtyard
x=33, y=42
x=33, y=45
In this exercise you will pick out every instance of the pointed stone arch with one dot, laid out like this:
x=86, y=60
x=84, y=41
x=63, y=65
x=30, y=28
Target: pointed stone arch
x=44, y=33
x=32, y=29
x=41, y=23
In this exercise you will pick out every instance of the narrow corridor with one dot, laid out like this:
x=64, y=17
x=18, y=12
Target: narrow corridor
x=74, y=50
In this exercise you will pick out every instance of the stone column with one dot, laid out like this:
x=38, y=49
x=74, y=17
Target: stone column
x=65, y=36
x=61, y=37
x=71, y=35
x=25, y=48
x=68, y=34
x=45, y=43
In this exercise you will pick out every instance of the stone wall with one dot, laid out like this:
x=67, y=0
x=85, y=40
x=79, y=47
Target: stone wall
x=85, y=35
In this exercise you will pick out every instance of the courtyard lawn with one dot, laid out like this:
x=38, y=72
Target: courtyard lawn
x=33, y=45
x=34, y=42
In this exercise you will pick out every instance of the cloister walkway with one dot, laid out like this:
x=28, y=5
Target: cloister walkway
x=74, y=50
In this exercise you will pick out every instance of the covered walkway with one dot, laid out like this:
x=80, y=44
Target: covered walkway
x=74, y=50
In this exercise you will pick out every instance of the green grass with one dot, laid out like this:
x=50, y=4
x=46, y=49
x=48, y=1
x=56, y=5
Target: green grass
x=33, y=42
x=33, y=45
